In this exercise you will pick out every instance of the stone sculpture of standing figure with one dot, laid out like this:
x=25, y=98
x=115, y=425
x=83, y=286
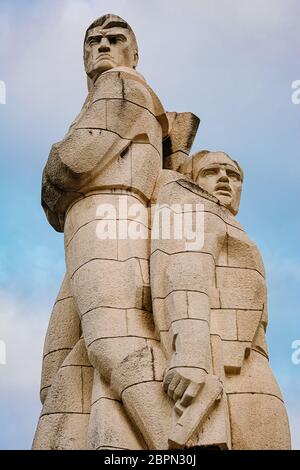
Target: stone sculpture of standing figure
x=150, y=345
x=210, y=306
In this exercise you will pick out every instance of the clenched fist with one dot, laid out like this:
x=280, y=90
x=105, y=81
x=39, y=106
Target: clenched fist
x=184, y=383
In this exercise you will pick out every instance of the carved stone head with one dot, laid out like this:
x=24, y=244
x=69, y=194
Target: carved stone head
x=109, y=42
x=219, y=175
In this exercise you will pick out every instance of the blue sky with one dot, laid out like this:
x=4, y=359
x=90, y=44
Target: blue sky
x=232, y=63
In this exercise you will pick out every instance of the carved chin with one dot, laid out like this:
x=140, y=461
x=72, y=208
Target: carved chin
x=100, y=66
x=225, y=200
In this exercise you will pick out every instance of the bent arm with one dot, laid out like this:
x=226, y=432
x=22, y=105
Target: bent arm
x=109, y=123
x=182, y=282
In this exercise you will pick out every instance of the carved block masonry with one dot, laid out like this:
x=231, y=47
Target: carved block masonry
x=151, y=344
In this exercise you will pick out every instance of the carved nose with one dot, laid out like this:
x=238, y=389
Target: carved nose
x=223, y=177
x=104, y=45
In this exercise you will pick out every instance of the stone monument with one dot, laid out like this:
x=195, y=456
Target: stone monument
x=153, y=343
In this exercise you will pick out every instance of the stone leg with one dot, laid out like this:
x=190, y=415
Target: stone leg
x=257, y=412
x=65, y=416
x=258, y=422
x=109, y=425
x=110, y=285
x=62, y=334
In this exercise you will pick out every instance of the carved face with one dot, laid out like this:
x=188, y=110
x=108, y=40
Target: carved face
x=221, y=177
x=105, y=49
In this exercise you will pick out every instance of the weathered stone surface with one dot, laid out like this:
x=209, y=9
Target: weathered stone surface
x=258, y=422
x=109, y=426
x=157, y=337
x=108, y=283
x=62, y=431
x=176, y=148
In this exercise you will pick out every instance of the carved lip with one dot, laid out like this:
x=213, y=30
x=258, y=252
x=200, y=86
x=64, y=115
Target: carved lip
x=223, y=189
x=104, y=56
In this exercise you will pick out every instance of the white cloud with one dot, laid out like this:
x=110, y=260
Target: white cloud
x=43, y=45
x=182, y=42
x=23, y=326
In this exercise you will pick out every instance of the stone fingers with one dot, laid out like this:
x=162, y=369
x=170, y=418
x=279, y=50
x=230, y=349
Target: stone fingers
x=190, y=393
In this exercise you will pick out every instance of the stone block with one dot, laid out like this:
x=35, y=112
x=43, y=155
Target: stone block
x=217, y=356
x=136, y=368
x=62, y=431
x=241, y=288
x=259, y=342
x=247, y=324
x=215, y=431
x=184, y=271
x=258, y=422
x=233, y=355
x=140, y=323
x=95, y=117
x=224, y=323
x=64, y=290
x=93, y=149
x=51, y=365
x=242, y=252
x=192, y=344
x=153, y=421
x=64, y=327
x=159, y=359
x=198, y=305
x=87, y=386
x=166, y=339
x=106, y=283
x=101, y=389
x=104, y=323
x=86, y=245
x=65, y=394
x=108, y=353
x=255, y=377
x=129, y=120
x=78, y=356
x=160, y=316
x=110, y=428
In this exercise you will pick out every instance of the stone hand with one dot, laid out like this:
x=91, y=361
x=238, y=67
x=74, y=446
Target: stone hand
x=184, y=383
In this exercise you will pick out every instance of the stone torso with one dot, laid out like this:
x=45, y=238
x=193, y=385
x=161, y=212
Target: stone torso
x=116, y=142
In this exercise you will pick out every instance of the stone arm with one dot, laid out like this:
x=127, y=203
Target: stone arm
x=188, y=277
x=117, y=114
x=183, y=281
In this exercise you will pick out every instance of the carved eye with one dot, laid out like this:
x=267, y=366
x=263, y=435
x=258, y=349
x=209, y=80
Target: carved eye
x=210, y=172
x=233, y=175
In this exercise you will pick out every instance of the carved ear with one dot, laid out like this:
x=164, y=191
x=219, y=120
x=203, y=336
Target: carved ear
x=136, y=59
